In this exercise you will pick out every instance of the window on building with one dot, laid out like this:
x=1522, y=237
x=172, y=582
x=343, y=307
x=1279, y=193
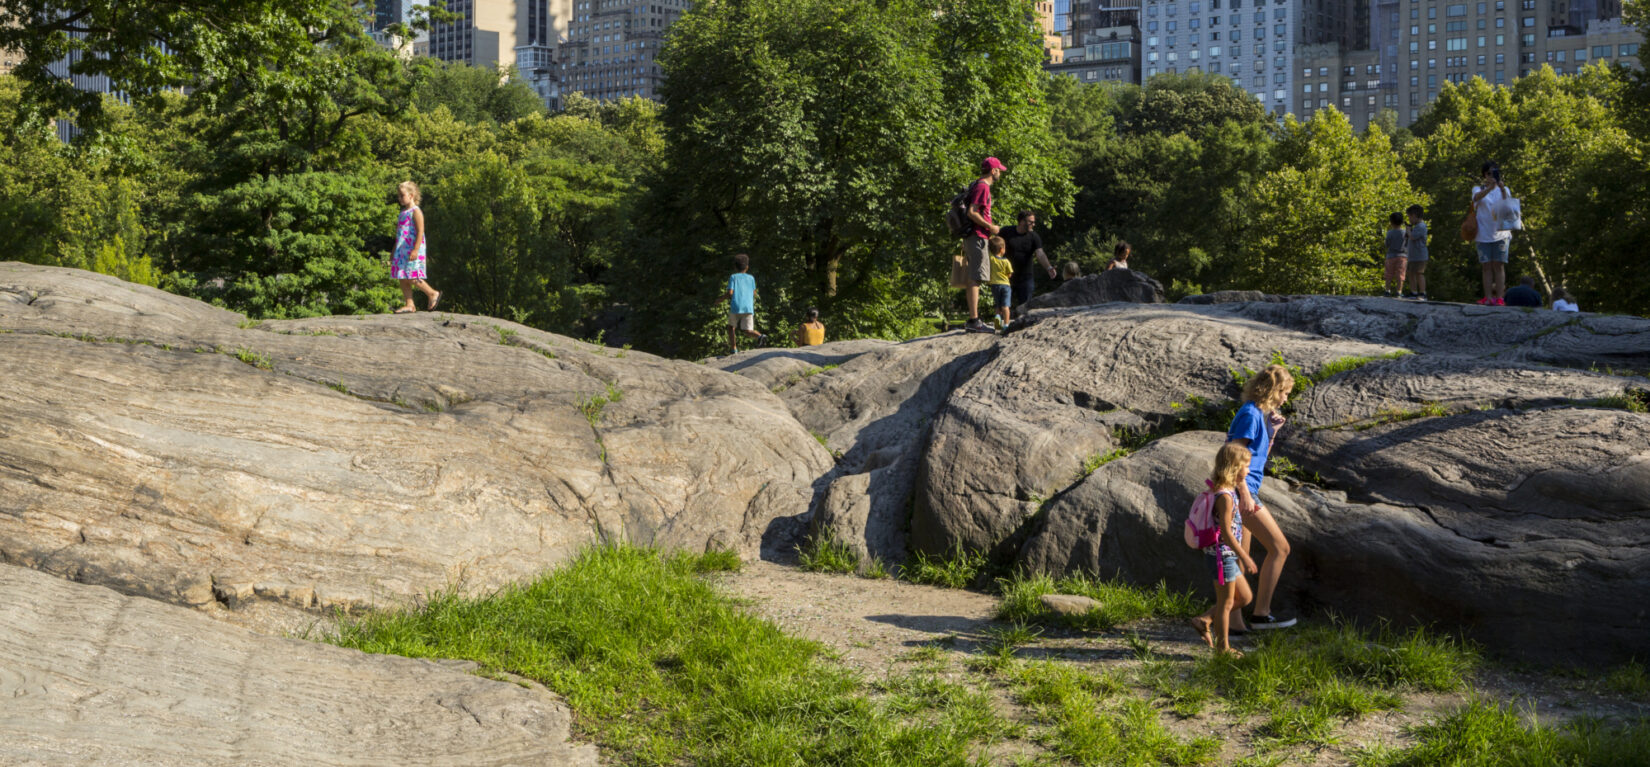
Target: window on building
x=1599, y=51
x=1454, y=10
x=1628, y=49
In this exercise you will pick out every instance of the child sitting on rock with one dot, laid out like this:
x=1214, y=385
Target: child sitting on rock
x=1231, y=588
x=1070, y=271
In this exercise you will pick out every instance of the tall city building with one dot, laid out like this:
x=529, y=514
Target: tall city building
x=1250, y=41
x=1044, y=19
x=505, y=33
x=1110, y=55
x=612, y=47
x=1085, y=19
x=387, y=12
x=1417, y=45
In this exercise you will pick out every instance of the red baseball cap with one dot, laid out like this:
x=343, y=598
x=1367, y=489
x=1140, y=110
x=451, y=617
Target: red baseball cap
x=992, y=163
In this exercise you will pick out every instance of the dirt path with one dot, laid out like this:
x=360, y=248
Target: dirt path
x=877, y=626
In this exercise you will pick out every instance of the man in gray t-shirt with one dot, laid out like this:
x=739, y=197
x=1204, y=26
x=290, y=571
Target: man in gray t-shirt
x=1417, y=254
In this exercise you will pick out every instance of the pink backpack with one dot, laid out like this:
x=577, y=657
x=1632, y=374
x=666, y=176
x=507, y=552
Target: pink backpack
x=1202, y=530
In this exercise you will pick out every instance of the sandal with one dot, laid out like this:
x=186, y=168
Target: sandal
x=1202, y=627
x=434, y=302
x=403, y=310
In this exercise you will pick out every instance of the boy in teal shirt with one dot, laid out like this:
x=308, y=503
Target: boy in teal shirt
x=741, y=298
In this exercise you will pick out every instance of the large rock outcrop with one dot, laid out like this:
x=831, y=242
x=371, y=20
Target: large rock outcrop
x=169, y=449
x=1110, y=285
x=1505, y=441
x=92, y=677
x=1541, y=576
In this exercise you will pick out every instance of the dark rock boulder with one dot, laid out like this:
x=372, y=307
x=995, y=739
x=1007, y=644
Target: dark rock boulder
x=1126, y=285
x=1539, y=569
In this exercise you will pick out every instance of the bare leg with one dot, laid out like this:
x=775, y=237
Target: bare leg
x=1224, y=599
x=972, y=294
x=733, y=339
x=407, y=295
x=1498, y=270
x=430, y=294
x=1260, y=524
x=1418, y=277
x=1489, y=279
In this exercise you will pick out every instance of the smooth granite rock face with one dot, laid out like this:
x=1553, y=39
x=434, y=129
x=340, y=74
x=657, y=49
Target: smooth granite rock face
x=169, y=449
x=93, y=677
x=1478, y=468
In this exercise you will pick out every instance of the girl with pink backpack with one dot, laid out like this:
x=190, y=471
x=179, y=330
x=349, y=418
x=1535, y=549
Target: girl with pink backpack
x=1215, y=526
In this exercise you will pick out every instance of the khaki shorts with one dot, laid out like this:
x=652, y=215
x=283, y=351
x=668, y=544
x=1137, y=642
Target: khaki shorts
x=977, y=258
x=742, y=321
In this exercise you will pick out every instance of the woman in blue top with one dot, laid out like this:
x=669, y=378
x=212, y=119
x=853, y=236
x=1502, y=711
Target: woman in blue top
x=1254, y=426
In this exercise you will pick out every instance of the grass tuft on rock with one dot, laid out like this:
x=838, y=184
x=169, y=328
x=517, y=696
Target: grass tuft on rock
x=661, y=669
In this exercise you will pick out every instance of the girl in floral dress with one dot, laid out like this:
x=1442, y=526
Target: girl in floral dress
x=408, y=265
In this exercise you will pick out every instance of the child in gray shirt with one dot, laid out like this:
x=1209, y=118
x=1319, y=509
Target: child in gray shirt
x=1395, y=255
x=1417, y=254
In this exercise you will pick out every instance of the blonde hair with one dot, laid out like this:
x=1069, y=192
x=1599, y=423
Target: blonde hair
x=1231, y=463
x=998, y=244
x=1070, y=271
x=412, y=191
x=1269, y=388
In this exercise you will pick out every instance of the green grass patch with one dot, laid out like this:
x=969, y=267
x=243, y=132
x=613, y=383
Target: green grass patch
x=661, y=669
x=953, y=571
x=876, y=570
x=247, y=323
x=1629, y=680
x=1090, y=722
x=1487, y=734
x=825, y=554
x=1120, y=603
x=717, y=561
x=505, y=335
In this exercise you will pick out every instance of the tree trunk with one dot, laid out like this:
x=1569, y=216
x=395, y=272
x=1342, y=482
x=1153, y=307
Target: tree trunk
x=1540, y=273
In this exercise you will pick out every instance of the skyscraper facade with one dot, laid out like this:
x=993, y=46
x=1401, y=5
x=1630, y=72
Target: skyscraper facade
x=1417, y=45
x=1250, y=41
x=612, y=47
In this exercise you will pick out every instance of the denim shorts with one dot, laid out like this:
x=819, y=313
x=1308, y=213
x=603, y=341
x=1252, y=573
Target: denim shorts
x=1001, y=295
x=1224, y=568
x=1492, y=251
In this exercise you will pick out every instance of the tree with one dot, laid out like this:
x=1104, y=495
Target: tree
x=148, y=48
x=1564, y=151
x=1173, y=178
x=473, y=94
x=825, y=137
x=1318, y=216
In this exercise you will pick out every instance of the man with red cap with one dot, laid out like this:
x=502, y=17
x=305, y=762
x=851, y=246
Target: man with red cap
x=976, y=246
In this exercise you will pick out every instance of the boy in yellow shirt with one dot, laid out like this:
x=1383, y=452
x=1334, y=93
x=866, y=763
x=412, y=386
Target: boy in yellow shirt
x=1001, y=272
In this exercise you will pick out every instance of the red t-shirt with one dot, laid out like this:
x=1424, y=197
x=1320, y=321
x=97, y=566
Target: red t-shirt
x=980, y=195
